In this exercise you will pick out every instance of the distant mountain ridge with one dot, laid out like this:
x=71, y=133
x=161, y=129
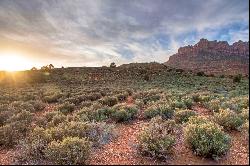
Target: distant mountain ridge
x=213, y=57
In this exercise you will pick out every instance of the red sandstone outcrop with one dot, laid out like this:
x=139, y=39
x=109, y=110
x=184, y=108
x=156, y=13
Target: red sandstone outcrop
x=213, y=57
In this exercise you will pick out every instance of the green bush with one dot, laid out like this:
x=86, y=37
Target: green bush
x=122, y=97
x=66, y=107
x=178, y=104
x=188, y=102
x=152, y=98
x=9, y=135
x=139, y=103
x=24, y=118
x=157, y=139
x=109, y=101
x=94, y=96
x=228, y=119
x=35, y=144
x=237, y=78
x=201, y=73
x=197, y=120
x=16, y=128
x=38, y=105
x=71, y=150
x=101, y=114
x=213, y=105
x=182, y=116
x=52, y=98
x=206, y=138
x=56, y=120
x=163, y=110
x=123, y=113
x=95, y=132
x=20, y=105
x=245, y=114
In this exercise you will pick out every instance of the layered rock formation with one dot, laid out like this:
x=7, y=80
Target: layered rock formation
x=213, y=57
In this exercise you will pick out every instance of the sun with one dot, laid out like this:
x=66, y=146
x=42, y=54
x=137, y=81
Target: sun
x=13, y=62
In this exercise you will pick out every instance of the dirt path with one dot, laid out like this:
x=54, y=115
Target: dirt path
x=122, y=150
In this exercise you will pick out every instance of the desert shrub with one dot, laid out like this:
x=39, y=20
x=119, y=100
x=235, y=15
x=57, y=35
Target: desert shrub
x=228, y=119
x=23, y=117
x=9, y=135
x=33, y=148
x=188, y=102
x=123, y=113
x=95, y=132
x=244, y=114
x=5, y=114
x=196, y=98
x=245, y=127
x=198, y=120
x=245, y=130
x=71, y=150
x=201, y=73
x=69, y=129
x=109, y=101
x=201, y=98
x=96, y=105
x=66, y=107
x=53, y=98
x=84, y=114
x=16, y=127
x=49, y=115
x=182, y=116
x=20, y=105
x=236, y=103
x=178, y=104
x=152, y=98
x=213, y=105
x=122, y=97
x=38, y=105
x=101, y=114
x=179, y=70
x=41, y=121
x=152, y=111
x=94, y=96
x=139, y=103
x=57, y=119
x=101, y=133
x=237, y=78
x=157, y=139
x=159, y=109
x=85, y=104
x=206, y=138
x=74, y=100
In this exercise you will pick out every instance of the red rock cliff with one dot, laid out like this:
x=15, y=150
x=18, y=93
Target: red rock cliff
x=213, y=57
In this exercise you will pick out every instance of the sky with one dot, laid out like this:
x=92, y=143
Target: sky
x=98, y=32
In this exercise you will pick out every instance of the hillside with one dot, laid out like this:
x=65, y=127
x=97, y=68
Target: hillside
x=98, y=115
x=213, y=57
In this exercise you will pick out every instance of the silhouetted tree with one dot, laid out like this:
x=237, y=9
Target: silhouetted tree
x=113, y=65
x=33, y=69
x=237, y=78
x=45, y=68
x=51, y=66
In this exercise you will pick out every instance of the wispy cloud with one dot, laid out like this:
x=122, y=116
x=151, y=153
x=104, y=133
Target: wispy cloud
x=97, y=32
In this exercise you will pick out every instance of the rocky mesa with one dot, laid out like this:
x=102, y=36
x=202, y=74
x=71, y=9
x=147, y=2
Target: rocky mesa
x=213, y=57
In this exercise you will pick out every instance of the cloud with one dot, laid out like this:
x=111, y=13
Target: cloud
x=96, y=32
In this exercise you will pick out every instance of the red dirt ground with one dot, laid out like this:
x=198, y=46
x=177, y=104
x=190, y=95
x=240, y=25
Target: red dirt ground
x=122, y=150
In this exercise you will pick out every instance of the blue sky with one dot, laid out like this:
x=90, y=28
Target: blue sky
x=98, y=32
